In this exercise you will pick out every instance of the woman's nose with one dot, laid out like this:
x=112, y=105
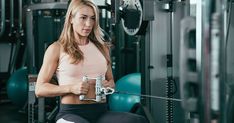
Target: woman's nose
x=89, y=22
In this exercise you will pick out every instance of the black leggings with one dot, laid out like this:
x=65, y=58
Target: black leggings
x=95, y=113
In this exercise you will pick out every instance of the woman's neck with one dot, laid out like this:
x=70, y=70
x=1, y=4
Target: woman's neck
x=82, y=40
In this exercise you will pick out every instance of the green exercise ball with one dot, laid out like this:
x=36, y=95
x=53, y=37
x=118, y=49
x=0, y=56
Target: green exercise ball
x=130, y=83
x=17, y=87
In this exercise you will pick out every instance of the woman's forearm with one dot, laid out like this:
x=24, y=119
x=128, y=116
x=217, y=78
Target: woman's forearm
x=51, y=90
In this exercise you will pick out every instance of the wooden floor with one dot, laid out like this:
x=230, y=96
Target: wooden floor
x=10, y=113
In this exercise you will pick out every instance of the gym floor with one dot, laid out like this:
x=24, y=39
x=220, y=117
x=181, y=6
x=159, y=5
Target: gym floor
x=10, y=113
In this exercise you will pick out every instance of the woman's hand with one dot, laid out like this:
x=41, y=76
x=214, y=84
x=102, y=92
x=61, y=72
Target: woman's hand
x=107, y=83
x=81, y=88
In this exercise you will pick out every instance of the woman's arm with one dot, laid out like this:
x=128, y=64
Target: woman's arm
x=50, y=63
x=109, y=78
x=109, y=82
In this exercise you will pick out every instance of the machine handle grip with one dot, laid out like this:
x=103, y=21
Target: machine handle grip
x=84, y=79
x=108, y=90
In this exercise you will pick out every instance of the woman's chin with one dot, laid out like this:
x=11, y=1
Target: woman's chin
x=85, y=34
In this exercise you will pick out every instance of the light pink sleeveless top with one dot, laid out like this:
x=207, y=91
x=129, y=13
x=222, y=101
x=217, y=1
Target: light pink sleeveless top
x=93, y=65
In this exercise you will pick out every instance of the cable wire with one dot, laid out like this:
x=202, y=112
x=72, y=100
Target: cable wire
x=149, y=96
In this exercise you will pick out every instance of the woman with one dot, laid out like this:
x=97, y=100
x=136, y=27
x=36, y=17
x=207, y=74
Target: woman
x=80, y=51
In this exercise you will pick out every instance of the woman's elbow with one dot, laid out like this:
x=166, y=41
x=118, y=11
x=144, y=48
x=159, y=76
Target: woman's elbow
x=38, y=92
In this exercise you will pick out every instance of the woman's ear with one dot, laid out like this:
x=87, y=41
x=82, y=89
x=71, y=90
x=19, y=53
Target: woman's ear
x=71, y=20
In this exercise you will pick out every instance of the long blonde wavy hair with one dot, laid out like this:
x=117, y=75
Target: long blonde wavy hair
x=67, y=38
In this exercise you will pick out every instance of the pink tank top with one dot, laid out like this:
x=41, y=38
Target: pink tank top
x=93, y=65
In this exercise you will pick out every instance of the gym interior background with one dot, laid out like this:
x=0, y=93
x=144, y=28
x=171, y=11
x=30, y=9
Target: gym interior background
x=171, y=59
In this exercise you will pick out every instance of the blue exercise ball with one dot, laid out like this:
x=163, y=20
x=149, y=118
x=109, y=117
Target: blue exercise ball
x=130, y=83
x=17, y=87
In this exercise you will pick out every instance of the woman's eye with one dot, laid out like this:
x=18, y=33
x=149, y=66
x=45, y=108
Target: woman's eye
x=83, y=18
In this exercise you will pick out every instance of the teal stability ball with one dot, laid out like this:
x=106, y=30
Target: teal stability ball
x=130, y=83
x=17, y=87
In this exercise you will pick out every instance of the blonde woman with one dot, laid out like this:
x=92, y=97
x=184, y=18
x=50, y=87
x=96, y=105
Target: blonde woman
x=80, y=51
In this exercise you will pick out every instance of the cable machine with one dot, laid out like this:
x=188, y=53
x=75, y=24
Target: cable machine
x=51, y=14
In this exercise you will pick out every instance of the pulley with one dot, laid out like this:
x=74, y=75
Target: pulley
x=131, y=14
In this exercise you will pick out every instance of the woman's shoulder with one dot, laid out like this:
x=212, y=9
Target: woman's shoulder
x=55, y=46
x=53, y=49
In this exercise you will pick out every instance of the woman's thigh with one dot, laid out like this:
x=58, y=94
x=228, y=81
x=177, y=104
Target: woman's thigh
x=71, y=118
x=121, y=117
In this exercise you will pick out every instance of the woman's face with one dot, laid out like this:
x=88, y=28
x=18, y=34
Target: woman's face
x=83, y=21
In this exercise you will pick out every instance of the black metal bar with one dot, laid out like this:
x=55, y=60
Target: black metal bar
x=3, y=17
x=12, y=17
x=20, y=28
